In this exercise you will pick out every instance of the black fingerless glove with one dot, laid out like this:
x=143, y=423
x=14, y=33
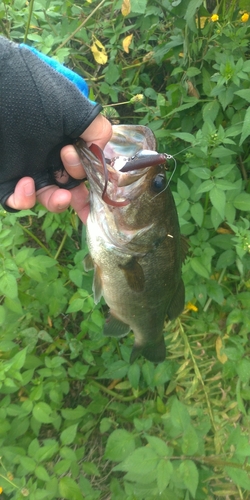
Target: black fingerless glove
x=41, y=111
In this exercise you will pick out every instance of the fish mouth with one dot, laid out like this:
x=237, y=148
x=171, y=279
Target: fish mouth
x=121, y=170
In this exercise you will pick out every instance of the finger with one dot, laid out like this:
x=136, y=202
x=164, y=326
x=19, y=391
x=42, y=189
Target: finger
x=80, y=201
x=99, y=132
x=72, y=162
x=24, y=196
x=54, y=198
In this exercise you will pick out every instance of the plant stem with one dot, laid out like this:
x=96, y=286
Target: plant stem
x=61, y=246
x=29, y=20
x=80, y=26
x=198, y=374
x=117, y=396
x=31, y=235
x=8, y=481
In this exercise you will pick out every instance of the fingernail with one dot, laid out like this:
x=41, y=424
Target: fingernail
x=71, y=160
x=28, y=189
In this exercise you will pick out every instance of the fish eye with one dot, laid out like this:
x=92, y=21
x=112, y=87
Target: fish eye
x=159, y=183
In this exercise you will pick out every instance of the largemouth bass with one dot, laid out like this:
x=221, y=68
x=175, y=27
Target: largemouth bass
x=134, y=239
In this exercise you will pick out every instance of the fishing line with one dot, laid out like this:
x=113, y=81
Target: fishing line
x=168, y=157
x=195, y=145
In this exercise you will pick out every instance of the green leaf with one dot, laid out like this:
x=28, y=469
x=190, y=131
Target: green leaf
x=76, y=277
x=218, y=200
x=192, y=71
x=210, y=110
x=112, y=74
x=197, y=213
x=8, y=285
x=73, y=414
x=198, y=267
x=190, y=475
x=138, y=6
x=69, y=434
x=215, y=291
x=18, y=360
x=105, y=425
x=27, y=463
x=158, y=445
x=244, y=93
x=119, y=445
x=148, y=372
x=133, y=463
x=202, y=173
x=205, y=186
x=47, y=451
x=222, y=152
x=239, y=477
x=42, y=413
x=179, y=415
x=245, y=127
x=69, y=489
x=41, y=473
x=90, y=469
x=190, y=441
x=162, y=374
x=75, y=305
x=134, y=373
x=190, y=104
x=184, y=136
x=242, y=202
x=192, y=6
x=14, y=305
x=118, y=369
x=225, y=96
x=182, y=189
x=2, y=315
x=164, y=473
x=61, y=467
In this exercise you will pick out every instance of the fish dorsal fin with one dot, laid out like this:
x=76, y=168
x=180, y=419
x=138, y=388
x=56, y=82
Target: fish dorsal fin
x=177, y=303
x=114, y=327
x=134, y=274
x=184, y=248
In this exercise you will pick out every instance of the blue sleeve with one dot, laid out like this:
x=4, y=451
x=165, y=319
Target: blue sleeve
x=78, y=81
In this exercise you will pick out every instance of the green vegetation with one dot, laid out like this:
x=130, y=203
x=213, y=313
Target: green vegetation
x=76, y=420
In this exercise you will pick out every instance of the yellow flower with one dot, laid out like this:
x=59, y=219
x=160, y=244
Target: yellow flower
x=245, y=17
x=191, y=307
x=1, y=490
x=214, y=18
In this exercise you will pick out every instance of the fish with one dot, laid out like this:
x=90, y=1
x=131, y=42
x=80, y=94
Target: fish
x=133, y=236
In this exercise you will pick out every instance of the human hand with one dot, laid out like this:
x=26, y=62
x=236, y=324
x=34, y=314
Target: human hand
x=56, y=199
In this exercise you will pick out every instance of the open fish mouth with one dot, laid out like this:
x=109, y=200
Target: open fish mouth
x=94, y=160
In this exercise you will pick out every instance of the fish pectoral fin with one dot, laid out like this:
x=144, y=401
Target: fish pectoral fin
x=88, y=263
x=177, y=303
x=114, y=327
x=155, y=352
x=134, y=274
x=97, y=284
